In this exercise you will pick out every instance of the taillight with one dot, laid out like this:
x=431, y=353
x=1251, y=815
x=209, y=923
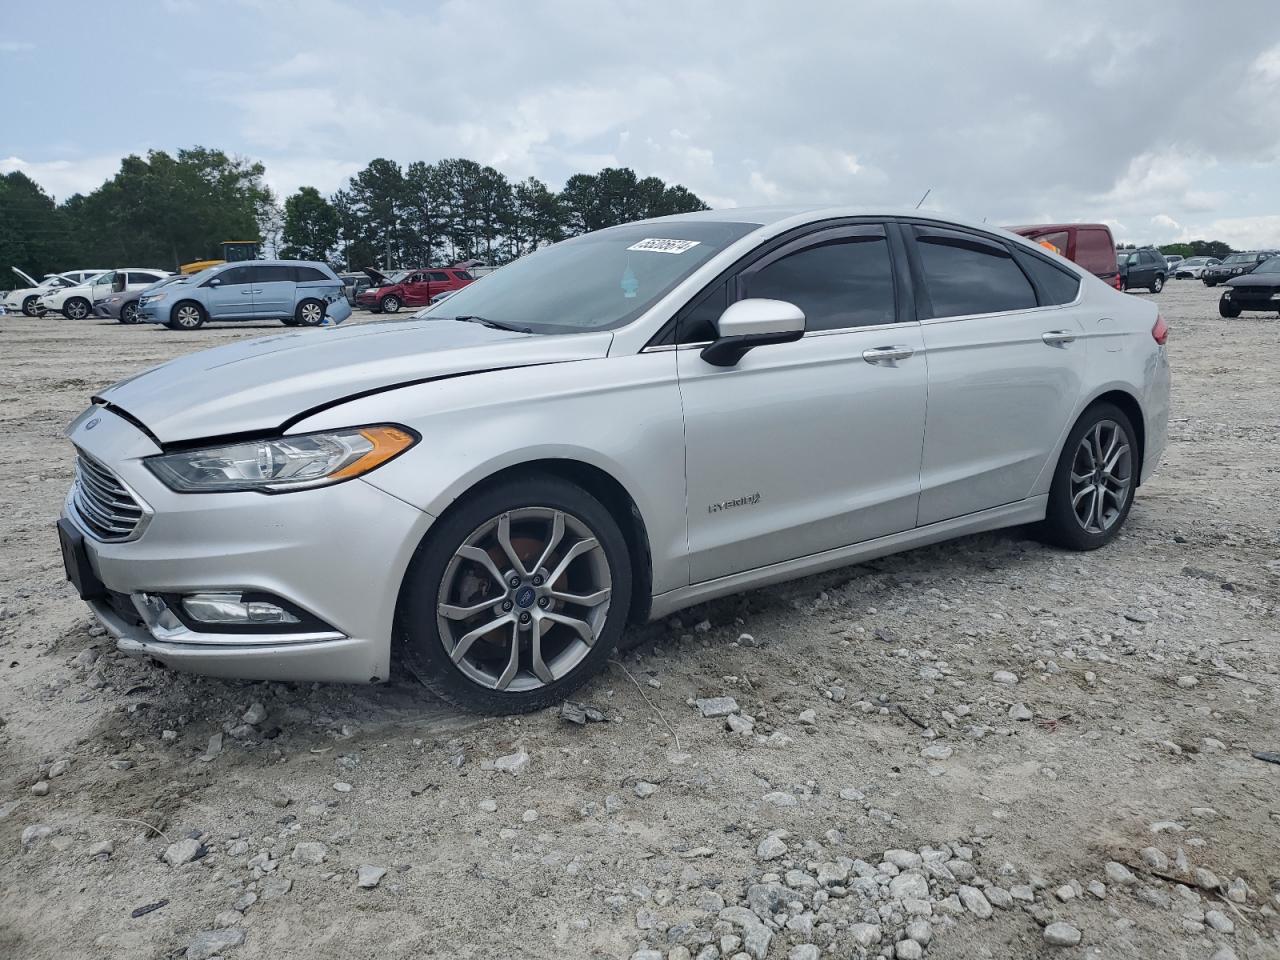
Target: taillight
x=1160, y=332
x=1118, y=283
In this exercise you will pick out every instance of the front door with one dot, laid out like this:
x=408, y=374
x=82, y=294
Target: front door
x=807, y=446
x=416, y=290
x=1005, y=369
x=231, y=298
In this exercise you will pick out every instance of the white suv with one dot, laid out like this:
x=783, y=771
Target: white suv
x=26, y=298
x=76, y=303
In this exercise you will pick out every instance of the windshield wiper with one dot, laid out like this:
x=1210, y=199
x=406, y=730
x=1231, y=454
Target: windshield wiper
x=492, y=324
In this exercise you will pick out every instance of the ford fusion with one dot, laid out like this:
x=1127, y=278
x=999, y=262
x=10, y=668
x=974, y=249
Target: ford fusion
x=606, y=431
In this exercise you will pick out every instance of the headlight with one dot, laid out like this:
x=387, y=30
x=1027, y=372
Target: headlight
x=154, y=298
x=282, y=464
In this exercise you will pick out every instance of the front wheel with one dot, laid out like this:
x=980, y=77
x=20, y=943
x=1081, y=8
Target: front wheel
x=516, y=597
x=310, y=313
x=77, y=308
x=1228, y=309
x=1094, y=482
x=29, y=306
x=1158, y=283
x=186, y=316
x=390, y=304
x=129, y=313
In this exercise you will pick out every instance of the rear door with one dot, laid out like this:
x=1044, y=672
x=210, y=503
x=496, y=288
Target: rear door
x=417, y=289
x=273, y=290
x=438, y=280
x=1006, y=363
x=231, y=298
x=807, y=446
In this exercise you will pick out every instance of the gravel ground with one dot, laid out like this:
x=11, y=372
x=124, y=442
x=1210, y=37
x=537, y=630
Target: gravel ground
x=982, y=749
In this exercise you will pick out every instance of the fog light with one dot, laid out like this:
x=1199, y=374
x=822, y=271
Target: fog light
x=230, y=608
x=156, y=612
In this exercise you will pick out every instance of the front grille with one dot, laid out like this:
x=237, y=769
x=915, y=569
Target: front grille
x=107, y=510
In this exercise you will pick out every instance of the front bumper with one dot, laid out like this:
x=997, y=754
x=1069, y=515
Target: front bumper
x=339, y=553
x=105, y=310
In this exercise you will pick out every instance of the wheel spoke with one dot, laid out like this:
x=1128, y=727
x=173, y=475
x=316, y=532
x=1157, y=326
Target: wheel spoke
x=540, y=668
x=467, y=639
x=557, y=534
x=504, y=539
x=452, y=612
x=1109, y=467
x=577, y=550
x=1080, y=495
x=1080, y=477
x=513, y=661
x=1097, y=445
x=583, y=599
x=1098, y=504
x=481, y=557
x=582, y=628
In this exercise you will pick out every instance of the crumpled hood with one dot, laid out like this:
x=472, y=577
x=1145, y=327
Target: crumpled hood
x=262, y=384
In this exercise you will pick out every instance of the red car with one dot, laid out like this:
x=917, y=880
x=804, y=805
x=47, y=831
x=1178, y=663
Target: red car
x=409, y=288
x=1088, y=244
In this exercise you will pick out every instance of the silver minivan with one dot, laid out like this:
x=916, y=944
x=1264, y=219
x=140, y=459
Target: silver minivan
x=296, y=292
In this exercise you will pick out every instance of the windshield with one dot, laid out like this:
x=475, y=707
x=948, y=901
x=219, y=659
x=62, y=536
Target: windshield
x=1271, y=265
x=398, y=277
x=1239, y=258
x=597, y=281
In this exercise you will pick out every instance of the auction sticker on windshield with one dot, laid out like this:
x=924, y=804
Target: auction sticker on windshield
x=665, y=246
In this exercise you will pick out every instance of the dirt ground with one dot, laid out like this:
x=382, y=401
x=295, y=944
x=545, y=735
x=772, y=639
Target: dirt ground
x=1148, y=674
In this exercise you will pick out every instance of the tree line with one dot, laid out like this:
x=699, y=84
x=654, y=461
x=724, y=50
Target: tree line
x=164, y=210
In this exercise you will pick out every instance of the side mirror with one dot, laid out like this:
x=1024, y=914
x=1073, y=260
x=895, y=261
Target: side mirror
x=753, y=323
x=215, y=282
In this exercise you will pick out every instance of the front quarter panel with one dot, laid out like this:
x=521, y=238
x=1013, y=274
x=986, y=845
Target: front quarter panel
x=620, y=414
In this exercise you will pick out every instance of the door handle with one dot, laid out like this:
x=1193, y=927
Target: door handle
x=1056, y=337
x=886, y=354
x=245, y=293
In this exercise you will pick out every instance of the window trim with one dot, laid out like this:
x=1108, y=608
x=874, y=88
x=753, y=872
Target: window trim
x=924, y=311
x=904, y=301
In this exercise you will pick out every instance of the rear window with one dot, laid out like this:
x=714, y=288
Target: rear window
x=309, y=274
x=1095, y=250
x=462, y=275
x=1057, y=286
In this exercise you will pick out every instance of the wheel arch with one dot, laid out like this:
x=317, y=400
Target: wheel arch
x=606, y=488
x=191, y=300
x=1129, y=404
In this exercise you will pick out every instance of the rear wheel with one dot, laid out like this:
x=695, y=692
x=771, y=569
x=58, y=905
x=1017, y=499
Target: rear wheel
x=1228, y=309
x=1094, y=482
x=76, y=308
x=516, y=598
x=187, y=315
x=1157, y=284
x=390, y=304
x=310, y=313
x=29, y=306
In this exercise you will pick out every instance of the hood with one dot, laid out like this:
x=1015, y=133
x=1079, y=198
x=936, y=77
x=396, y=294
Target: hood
x=1255, y=279
x=265, y=384
x=26, y=277
x=375, y=276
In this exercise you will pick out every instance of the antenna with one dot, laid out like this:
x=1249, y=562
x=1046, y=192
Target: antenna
x=922, y=199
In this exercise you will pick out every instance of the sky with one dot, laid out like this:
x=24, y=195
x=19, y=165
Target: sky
x=1161, y=119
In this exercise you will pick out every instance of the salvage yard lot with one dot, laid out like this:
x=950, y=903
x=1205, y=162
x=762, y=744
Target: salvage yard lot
x=1064, y=739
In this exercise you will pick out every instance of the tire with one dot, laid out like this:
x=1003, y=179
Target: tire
x=29, y=306
x=1062, y=526
x=1157, y=284
x=438, y=575
x=1228, y=309
x=310, y=313
x=389, y=304
x=1210, y=283
x=187, y=315
x=129, y=313
x=289, y=321
x=77, y=308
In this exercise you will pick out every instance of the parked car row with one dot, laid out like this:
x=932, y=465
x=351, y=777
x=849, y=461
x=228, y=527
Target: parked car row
x=26, y=299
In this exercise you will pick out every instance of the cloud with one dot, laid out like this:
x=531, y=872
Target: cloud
x=63, y=178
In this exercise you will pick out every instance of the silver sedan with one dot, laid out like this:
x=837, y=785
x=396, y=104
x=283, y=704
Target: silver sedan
x=604, y=432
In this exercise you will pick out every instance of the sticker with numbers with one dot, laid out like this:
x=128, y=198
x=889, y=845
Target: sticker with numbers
x=664, y=246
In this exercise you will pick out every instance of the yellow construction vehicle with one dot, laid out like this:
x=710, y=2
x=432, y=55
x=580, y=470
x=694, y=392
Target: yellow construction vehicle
x=233, y=251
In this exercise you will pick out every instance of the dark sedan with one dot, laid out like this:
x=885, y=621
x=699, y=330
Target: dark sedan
x=1257, y=290
x=1235, y=265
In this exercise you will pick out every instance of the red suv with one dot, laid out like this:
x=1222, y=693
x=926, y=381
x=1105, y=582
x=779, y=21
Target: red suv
x=409, y=288
x=1088, y=244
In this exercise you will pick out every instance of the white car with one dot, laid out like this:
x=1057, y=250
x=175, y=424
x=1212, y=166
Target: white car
x=1193, y=267
x=76, y=303
x=26, y=298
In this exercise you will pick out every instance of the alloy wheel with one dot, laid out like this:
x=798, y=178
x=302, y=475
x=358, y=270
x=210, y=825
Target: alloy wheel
x=311, y=314
x=77, y=310
x=524, y=599
x=1101, y=477
x=188, y=316
x=129, y=313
